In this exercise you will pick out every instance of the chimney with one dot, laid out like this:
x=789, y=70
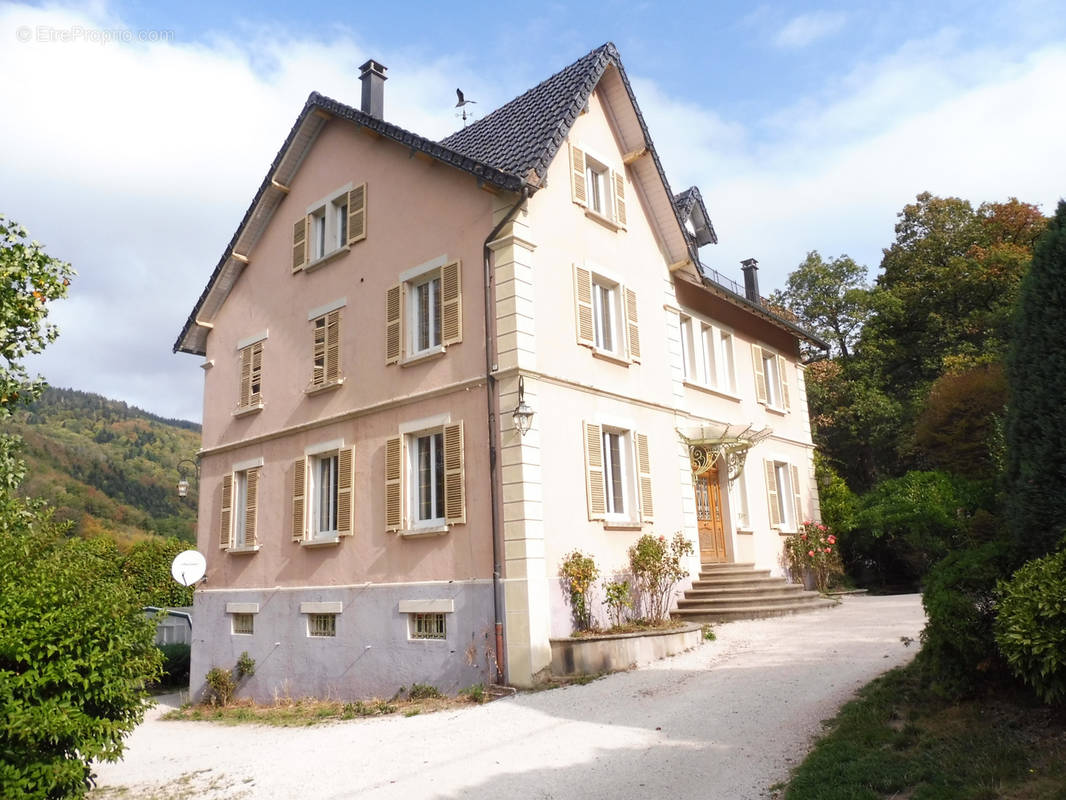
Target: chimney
x=750, y=267
x=372, y=74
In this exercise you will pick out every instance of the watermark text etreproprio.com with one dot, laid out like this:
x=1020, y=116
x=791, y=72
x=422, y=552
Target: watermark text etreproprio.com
x=80, y=33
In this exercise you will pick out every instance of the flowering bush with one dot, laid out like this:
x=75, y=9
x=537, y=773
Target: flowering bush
x=579, y=573
x=814, y=548
x=618, y=600
x=656, y=567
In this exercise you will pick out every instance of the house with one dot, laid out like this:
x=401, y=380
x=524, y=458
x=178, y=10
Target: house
x=371, y=513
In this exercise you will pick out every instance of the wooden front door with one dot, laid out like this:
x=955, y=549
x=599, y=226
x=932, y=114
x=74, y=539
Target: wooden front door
x=709, y=518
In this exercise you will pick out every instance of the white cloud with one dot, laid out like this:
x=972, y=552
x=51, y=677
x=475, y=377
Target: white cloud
x=806, y=29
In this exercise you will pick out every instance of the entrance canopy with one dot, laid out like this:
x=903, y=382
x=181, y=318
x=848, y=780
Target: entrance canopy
x=711, y=442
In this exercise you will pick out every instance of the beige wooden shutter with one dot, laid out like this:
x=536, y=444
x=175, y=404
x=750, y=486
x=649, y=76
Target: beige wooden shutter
x=357, y=214
x=597, y=499
x=246, y=378
x=451, y=299
x=632, y=332
x=647, y=508
x=771, y=495
x=255, y=389
x=619, y=197
x=393, y=483
x=251, y=507
x=318, y=352
x=583, y=306
x=225, y=525
x=300, y=243
x=299, y=487
x=760, y=373
x=333, y=346
x=782, y=370
x=393, y=332
x=577, y=176
x=454, y=479
x=796, y=496
x=345, y=492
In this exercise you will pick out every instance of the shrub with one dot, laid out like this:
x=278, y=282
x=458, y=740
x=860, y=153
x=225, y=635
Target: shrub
x=579, y=573
x=1031, y=625
x=656, y=567
x=423, y=691
x=619, y=600
x=475, y=693
x=175, y=664
x=958, y=648
x=813, y=549
x=222, y=683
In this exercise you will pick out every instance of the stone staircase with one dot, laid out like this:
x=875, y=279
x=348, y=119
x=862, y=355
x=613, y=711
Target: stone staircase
x=726, y=592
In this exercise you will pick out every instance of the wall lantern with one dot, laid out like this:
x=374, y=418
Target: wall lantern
x=523, y=414
x=183, y=483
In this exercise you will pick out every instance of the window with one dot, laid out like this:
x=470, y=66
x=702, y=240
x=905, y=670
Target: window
x=325, y=351
x=427, y=626
x=423, y=313
x=738, y=502
x=707, y=354
x=597, y=187
x=783, y=495
x=606, y=315
x=424, y=480
x=240, y=502
x=243, y=624
x=251, y=377
x=618, y=474
x=322, y=495
x=329, y=227
x=321, y=624
x=771, y=378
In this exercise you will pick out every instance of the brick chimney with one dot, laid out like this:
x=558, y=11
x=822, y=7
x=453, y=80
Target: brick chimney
x=750, y=267
x=372, y=74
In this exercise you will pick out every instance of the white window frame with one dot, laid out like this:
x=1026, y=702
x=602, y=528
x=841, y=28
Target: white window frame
x=738, y=502
x=607, y=317
x=598, y=188
x=619, y=477
x=771, y=369
x=314, y=486
x=432, y=327
x=421, y=623
x=329, y=225
x=785, y=505
x=238, y=535
x=707, y=354
x=435, y=437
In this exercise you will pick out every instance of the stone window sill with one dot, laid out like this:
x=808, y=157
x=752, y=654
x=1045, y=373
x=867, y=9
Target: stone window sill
x=711, y=390
x=428, y=530
x=244, y=411
x=325, y=387
x=425, y=355
x=312, y=543
x=243, y=551
x=321, y=261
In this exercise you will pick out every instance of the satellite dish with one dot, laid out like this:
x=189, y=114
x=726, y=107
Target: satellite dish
x=188, y=567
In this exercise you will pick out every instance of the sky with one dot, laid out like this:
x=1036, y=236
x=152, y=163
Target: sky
x=134, y=134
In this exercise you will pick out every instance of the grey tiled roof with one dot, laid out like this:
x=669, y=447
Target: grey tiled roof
x=526, y=133
x=691, y=198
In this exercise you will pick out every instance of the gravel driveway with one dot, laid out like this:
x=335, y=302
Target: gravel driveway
x=726, y=720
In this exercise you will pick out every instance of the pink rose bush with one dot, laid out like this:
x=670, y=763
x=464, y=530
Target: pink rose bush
x=813, y=549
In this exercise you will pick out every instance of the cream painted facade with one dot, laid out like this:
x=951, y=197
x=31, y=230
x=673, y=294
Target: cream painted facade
x=346, y=612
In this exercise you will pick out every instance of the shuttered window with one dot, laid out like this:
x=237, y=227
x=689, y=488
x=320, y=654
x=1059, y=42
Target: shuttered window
x=425, y=314
x=251, y=382
x=597, y=187
x=240, y=510
x=617, y=474
x=325, y=352
x=323, y=496
x=425, y=479
x=334, y=223
x=783, y=495
x=605, y=314
x=772, y=386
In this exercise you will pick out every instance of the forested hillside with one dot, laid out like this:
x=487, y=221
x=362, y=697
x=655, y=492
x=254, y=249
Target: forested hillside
x=108, y=467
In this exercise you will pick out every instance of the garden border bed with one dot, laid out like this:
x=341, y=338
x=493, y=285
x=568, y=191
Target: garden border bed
x=611, y=652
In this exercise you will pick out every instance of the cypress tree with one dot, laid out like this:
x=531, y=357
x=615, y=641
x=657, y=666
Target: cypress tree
x=1036, y=413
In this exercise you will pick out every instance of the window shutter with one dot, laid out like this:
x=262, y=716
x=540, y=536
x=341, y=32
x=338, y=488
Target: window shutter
x=357, y=214
x=225, y=525
x=577, y=176
x=300, y=240
x=255, y=390
x=333, y=346
x=796, y=496
x=454, y=480
x=251, y=507
x=760, y=373
x=583, y=306
x=782, y=371
x=647, y=509
x=631, y=324
x=393, y=334
x=299, y=485
x=345, y=463
x=619, y=197
x=318, y=352
x=451, y=301
x=771, y=495
x=594, y=471
x=393, y=483
x=246, y=378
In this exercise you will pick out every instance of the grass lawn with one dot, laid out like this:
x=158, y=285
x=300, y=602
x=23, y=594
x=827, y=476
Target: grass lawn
x=900, y=741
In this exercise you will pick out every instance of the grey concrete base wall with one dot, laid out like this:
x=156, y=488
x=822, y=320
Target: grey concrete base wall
x=596, y=654
x=372, y=654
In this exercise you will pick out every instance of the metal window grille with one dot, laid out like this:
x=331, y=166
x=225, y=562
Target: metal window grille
x=322, y=624
x=428, y=626
x=243, y=623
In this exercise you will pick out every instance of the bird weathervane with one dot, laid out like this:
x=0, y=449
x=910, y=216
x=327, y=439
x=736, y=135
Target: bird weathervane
x=462, y=104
